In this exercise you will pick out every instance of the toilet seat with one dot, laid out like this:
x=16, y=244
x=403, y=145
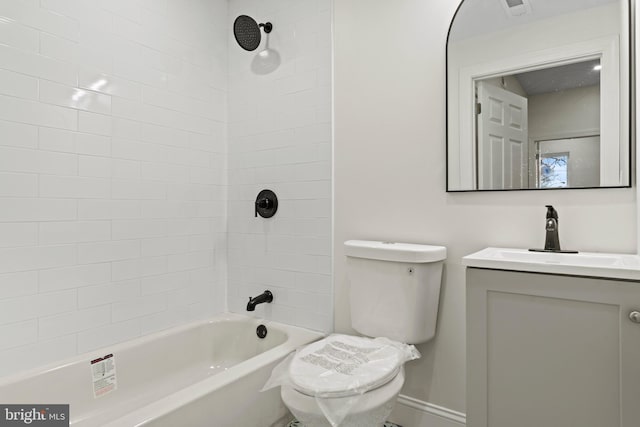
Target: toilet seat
x=376, y=403
x=344, y=365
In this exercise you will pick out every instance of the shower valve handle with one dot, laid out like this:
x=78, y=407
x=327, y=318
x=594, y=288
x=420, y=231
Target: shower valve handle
x=266, y=204
x=262, y=204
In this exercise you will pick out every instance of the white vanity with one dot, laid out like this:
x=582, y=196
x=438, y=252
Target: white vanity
x=553, y=339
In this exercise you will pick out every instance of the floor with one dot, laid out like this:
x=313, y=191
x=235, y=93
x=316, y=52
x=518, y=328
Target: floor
x=296, y=423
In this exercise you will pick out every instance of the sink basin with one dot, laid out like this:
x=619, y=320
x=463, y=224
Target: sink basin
x=618, y=266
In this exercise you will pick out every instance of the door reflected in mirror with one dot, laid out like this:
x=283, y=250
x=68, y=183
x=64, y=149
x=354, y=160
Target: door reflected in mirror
x=538, y=95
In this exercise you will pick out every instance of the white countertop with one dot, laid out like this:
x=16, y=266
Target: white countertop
x=592, y=264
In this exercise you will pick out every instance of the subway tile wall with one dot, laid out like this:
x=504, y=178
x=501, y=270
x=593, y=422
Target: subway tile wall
x=280, y=138
x=113, y=171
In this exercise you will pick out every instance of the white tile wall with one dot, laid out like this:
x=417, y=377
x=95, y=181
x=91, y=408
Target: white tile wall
x=117, y=191
x=280, y=138
x=112, y=171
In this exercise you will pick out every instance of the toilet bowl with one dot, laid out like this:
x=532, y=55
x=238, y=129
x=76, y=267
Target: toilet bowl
x=349, y=380
x=371, y=409
x=394, y=293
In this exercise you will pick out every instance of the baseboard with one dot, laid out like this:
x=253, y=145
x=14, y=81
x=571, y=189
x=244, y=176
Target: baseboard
x=410, y=412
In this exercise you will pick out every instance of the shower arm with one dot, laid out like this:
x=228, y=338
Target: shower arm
x=267, y=27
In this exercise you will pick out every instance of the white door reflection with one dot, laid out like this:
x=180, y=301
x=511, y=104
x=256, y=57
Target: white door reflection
x=502, y=137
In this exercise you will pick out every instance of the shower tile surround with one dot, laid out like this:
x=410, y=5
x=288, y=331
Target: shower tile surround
x=280, y=139
x=133, y=140
x=112, y=171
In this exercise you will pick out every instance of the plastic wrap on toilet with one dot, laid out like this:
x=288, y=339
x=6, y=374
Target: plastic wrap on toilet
x=338, y=370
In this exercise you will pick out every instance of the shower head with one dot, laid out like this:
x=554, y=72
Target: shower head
x=247, y=32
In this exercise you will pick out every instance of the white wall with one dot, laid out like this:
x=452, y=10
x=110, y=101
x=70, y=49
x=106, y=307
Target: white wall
x=280, y=138
x=538, y=36
x=112, y=171
x=567, y=113
x=390, y=175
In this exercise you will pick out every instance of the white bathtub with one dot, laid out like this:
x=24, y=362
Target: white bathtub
x=207, y=373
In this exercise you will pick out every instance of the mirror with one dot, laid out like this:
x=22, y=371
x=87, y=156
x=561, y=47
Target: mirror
x=538, y=95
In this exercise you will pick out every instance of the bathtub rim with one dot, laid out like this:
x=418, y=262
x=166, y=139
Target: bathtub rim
x=184, y=396
x=293, y=332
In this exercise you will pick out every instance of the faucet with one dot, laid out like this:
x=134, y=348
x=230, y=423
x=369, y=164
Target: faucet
x=552, y=241
x=266, y=296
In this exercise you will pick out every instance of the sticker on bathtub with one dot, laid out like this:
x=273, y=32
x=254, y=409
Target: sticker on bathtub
x=103, y=372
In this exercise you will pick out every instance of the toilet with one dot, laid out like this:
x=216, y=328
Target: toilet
x=394, y=294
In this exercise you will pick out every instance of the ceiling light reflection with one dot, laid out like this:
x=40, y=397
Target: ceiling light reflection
x=98, y=84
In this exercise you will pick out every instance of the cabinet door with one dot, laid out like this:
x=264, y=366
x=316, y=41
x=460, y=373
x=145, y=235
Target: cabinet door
x=551, y=351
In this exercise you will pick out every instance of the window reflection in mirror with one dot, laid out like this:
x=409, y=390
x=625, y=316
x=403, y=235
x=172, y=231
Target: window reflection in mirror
x=531, y=81
x=553, y=171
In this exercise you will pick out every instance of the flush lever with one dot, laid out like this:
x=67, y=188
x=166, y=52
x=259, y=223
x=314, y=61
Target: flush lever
x=634, y=316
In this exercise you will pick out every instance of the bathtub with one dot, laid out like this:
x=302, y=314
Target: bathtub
x=207, y=373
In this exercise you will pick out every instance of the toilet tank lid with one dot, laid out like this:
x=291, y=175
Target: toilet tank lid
x=391, y=251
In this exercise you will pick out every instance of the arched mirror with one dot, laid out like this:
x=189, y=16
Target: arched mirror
x=538, y=95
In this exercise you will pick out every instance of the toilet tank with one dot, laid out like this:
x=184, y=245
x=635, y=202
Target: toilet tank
x=394, y=289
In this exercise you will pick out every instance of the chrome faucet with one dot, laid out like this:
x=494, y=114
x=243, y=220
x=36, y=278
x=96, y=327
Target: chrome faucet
x=551, y=241
x=266, y=296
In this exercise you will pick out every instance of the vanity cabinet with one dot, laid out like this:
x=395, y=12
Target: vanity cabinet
x=547, y=350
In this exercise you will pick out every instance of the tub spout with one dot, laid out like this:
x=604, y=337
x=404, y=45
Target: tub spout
x=266, y=296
